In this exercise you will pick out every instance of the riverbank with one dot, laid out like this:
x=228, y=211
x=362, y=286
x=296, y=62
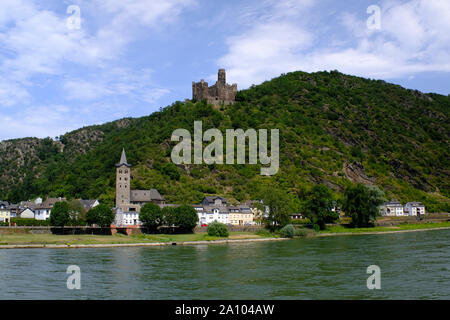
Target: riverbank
x=344, y=231
x=20, y=241
x=50, y=241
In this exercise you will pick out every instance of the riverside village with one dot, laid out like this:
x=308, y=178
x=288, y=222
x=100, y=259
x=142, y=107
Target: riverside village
x=128, y=202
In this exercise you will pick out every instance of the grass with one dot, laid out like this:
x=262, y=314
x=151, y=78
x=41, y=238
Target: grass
x=25, y=239
x=400, y=227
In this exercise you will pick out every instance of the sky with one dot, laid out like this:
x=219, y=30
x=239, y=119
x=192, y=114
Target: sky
x=66, y=64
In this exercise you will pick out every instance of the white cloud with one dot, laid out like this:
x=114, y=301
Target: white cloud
x=39, y=121
x=11, y=93
x=37, y=48
x=415, y=37
x=134, y=85
x=36, y=42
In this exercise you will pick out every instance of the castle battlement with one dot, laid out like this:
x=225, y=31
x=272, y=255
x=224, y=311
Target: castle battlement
x=219, y=93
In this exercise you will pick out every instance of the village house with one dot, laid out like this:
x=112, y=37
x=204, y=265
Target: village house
x=414, y=209
x=241, y=215
x=392, y=209
x=5, y=213
x=44, y=209
x=26, y=213
x=215, y=208
x=89, y=204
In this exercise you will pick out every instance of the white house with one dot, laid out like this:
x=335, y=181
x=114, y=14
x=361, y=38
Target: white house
x=42, y=213
x=26, y=213
x=208, y=214
x=124, y=219
x=414, y=208
x=393, y=208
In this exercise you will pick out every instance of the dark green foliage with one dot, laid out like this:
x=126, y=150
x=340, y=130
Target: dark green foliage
x=59, y=216
x=327, y=120
x=280, y=207
x=29, y=222
x=186, y=218
x=317, y=206
x=362, y=203
x=217, y=229
x=100, y=215
x=301, y=232
x=151, y=216
x=288, y=231
x=77, y=213
x=171, y=171
x=169, y=216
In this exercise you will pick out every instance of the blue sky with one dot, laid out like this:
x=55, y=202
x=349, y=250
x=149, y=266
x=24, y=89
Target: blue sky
x=131, y=57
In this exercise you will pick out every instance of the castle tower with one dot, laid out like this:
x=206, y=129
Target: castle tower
x=222, y=77
x=123, y=177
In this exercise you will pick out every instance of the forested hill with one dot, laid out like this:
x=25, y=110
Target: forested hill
x=334, y=129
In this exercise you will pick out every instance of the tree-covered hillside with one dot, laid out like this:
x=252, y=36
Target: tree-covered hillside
x=334, y=129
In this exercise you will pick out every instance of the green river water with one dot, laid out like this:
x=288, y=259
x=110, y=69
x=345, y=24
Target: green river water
x=413, y=265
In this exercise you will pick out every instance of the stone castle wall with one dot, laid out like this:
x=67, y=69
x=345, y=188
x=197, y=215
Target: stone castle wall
x=221, y=92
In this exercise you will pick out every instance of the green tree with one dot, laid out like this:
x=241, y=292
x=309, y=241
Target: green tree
x=151, y=216
x=169, y=216
x=77, y=213
x=171, y=170
x=186, y=218
x=280, y=208
x=101, y=215
x=318, y=204
x=362, y=204
x=59, y=216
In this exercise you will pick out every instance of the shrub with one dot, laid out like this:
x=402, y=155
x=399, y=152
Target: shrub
x=217, y=229
x=301, y=232
x=22, y=222
x=265, y=233
x=287, y=231
x=4, y=224
x=316, y=228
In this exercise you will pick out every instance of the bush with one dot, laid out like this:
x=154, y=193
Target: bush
x=22, y=222
x=300, y=222
x=287, y=231
x=217, y=229
x=265, y=233
x=4, y=224
x=301, y=232
x=316, y=228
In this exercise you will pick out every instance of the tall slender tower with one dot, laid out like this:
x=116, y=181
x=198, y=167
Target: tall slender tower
x=222, y=77
x=123, y=175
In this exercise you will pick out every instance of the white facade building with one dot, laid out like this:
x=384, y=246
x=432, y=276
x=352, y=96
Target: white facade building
x=124, y=219
x=393, y=209
x=414, y=209
x=42, y=213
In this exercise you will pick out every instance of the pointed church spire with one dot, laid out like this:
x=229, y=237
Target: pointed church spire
x=123, y=160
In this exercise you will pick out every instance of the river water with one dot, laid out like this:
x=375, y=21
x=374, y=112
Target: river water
x=413, y=265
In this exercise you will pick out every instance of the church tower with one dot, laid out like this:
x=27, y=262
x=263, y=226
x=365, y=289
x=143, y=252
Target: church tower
x=123, y=183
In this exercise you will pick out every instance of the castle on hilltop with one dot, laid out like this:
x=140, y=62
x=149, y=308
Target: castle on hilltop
x=219, y=93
